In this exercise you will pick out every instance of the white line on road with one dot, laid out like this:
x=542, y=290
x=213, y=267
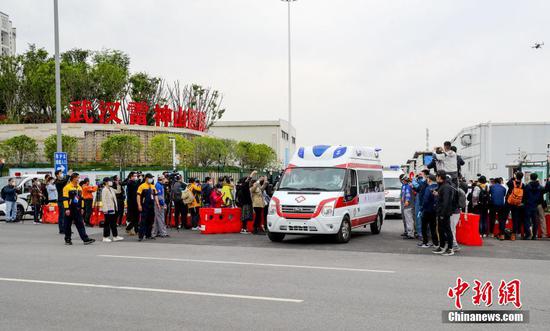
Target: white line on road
x=246, y=263
x=145, y=289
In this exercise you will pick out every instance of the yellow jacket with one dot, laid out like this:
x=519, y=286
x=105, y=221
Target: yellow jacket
x=72, y=195
x=196, y=190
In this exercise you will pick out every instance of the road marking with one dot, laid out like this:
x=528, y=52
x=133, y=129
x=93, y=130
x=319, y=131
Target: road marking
x=145, y=289
x=247, y=263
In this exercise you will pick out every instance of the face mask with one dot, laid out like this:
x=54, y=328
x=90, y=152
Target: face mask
x=109, y=183
x=134, y=178
x=38, y=184
x=150, y=180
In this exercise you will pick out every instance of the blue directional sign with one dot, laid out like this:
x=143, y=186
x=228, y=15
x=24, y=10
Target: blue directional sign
x=60, y=162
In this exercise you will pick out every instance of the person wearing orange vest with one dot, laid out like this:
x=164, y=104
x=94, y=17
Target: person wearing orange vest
x=88, y=197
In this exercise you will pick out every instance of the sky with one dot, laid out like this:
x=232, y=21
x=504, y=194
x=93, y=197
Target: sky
x=365, y=72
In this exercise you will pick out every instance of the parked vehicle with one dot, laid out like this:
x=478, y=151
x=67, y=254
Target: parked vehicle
x=328, y=190
x=23, y=184
x=392, y=192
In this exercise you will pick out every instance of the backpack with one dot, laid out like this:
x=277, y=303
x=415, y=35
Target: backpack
x=187, y=197
x=460, y=197
x=516, y=197
x=483, y=199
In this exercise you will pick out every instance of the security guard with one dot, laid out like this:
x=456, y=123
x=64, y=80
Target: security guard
x=73, y=203
x=147, y=199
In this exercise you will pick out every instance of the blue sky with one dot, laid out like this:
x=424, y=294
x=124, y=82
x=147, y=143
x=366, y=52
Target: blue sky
x=364, y=72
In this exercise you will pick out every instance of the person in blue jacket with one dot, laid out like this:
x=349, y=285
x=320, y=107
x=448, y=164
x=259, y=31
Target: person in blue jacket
x=531, y=197
x=419, y=185
x=429, y=213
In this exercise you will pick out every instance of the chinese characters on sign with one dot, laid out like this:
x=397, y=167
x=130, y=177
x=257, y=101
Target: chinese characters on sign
x=82, y=111
x=508, y=293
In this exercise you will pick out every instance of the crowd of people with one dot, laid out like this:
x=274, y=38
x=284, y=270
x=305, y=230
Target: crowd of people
x=143, y=202
x=433, y=200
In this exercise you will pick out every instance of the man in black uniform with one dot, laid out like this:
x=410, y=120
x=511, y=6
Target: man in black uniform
x=146, y=200
x=60, y=183
x=444, y=210
x=132, y=214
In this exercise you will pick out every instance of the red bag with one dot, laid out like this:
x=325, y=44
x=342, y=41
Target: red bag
x=467, y=230
x=50, y=214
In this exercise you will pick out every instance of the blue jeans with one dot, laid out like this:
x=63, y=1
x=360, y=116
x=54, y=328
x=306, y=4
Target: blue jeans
x=418, y=224
x=11, y=211
x=61, y=216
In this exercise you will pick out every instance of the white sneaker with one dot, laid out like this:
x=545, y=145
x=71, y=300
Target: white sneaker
x=243, y=231
x=107, y=240
x=118, y=238
x=195, y=229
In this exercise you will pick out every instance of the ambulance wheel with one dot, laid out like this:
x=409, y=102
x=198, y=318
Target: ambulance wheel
x=276, y=237
x=377, y=226
x=344, y=234
x=20, y=213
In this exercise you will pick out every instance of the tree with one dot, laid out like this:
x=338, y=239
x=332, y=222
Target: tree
x=110, y=74
x=255, y=156
x=208, y=151
x=19, y=149
x=243, y=154
x=69, y=146
x=262, y=156
x=9, y=87
x=160, y=149
x=121, y=149
x=199, y=98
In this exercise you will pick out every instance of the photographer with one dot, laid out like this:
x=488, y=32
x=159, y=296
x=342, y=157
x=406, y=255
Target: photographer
x=446, y=160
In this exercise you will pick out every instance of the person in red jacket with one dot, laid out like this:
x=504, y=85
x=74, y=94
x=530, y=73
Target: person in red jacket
x=216, y=197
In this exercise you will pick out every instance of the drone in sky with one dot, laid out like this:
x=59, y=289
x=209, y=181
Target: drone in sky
x=538, y=45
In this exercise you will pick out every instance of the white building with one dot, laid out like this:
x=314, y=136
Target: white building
x=494, y=149
x=275, y=134
x=7, y=35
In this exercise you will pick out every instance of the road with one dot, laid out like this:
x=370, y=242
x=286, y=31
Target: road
x=244, y=282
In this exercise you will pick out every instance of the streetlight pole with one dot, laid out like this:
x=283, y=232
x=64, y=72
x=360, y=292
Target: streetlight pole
x=57, y=79
x=287, y=154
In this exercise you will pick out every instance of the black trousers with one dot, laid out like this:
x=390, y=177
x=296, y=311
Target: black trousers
x=194, y=216
x=74, y=217
x=147, y=218
x=428, y=221
x=180, y=213
x=501, y=214
x=132, y=218
x=120, y=211
x=445, y=232
x=88, y=210
x=518, y=217
x=257, y=218
x=110, y=226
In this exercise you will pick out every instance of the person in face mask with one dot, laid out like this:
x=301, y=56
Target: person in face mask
x=147, y=200
x=73, y=204
x=109, y=208
x=132, y=215
x=9, y=195
x=60, y=183
x=36, y=200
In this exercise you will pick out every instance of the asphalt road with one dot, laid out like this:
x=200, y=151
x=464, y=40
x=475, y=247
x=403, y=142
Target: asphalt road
x=244, y=282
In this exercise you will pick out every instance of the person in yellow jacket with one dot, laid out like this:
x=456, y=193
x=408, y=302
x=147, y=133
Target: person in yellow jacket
x=195, y=188
x=227, y=192
x=73, y=204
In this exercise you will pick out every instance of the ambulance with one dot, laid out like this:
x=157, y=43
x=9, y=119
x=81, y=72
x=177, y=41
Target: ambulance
x=328, y=190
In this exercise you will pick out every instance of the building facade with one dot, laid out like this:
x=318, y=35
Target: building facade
x=7, y=35
x=276, y=134
x=495, y=149
x=90, y=137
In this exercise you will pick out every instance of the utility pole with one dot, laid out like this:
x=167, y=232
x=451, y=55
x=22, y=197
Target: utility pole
x=289, y=145
x=57, y=79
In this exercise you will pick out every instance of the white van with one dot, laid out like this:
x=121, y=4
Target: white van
x=328, y=190
x=392, y=186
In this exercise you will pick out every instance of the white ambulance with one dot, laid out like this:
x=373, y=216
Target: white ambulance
x=328, y=190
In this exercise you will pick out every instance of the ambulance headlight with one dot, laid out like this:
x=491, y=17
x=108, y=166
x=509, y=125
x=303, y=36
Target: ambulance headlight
x=328, y=210
x=272, y=210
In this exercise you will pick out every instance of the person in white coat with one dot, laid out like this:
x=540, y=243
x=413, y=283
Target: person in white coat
x=109, y=208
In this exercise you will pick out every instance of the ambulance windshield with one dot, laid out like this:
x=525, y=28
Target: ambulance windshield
x=313, y=179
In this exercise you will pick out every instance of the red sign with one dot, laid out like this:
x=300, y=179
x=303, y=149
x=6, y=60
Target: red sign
x=508, y=293
x=83, y=111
